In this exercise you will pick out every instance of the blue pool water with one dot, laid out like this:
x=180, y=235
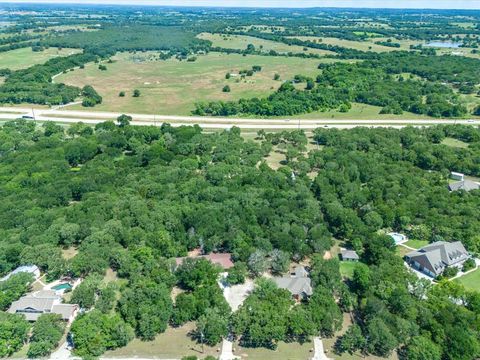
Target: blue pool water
x=64, y=286
x=398, y=238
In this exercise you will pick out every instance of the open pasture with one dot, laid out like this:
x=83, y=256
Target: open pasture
x=172, y=87
x=25, y=57
x=357, y=45
x=242, y=41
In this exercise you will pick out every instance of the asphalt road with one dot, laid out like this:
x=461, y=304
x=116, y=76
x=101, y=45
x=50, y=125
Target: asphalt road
x=94, y=117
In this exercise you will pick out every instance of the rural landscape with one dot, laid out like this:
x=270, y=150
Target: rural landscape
x=239, y=183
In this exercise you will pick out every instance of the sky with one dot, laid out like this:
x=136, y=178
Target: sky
x=432, y=4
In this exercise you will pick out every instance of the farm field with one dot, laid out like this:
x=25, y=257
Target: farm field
x=358, y=45
x=242, y=41
x=172, y=87
x=359, y=112
x=25, y=57
x=470, y=281
x=455, y=143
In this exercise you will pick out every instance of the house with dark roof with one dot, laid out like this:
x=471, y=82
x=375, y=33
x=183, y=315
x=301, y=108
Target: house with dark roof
x=299, y=284
x=466, y=185
x=433, y=259
x=43, y=302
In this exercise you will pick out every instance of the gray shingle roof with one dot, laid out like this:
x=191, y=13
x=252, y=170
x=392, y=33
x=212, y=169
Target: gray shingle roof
x=41, y=302
x=466, y=185
x=300, y=271
x=436, y=256
x=296, y=285
x=349, y=255
x=65, y=310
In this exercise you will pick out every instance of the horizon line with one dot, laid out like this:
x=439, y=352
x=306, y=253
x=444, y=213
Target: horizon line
x=223, y=6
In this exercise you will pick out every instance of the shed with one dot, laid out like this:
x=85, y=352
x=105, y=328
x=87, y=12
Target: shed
x=349, y=255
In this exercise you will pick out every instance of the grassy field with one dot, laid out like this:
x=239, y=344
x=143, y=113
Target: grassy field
x=23, y=58
x=284, y=351
x=417, y=244
x=172, y=87
x=172, y=344
x=358, y=45
x=359, y=112
x=454, y=143
x=470, y=281
x=402, y=251
x=242, y=41
x=347, y=268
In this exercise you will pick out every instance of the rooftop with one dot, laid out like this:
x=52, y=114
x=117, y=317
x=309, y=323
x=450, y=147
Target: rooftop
x=32, y=269
x=222, y=259
x=296, y=285
x=349, y=255
x=436, y=256
x=41, y=302
x=467, y=185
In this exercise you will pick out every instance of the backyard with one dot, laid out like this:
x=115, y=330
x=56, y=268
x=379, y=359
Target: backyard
x=471, y=281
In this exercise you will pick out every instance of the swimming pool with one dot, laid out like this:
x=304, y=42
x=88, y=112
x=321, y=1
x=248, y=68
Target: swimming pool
x=64, y=286
x=398, y=238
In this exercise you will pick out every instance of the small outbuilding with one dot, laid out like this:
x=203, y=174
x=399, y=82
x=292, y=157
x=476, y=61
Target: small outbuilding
x=349, y=255
x=457, y=176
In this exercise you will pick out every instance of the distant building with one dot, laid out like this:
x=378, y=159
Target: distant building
x=349, y=255
x=457, y=176
x=224, y=260
x=43, y=302
x=299, y=285
x=433, y=259
x=466, y=185
x=32, y=269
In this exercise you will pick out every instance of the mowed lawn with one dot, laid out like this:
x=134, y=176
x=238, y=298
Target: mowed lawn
x=172, y=87
x=242, y=41
x=470, y=281
x=24, y=58
x=416, y=244
x=347, y=268
x=172, y=344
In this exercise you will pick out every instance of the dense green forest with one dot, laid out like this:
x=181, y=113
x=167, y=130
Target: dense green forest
x=132, y=198
x=108, y=41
